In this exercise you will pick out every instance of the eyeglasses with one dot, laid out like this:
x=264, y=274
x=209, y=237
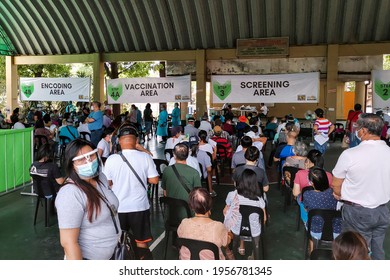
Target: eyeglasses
x=89, y=157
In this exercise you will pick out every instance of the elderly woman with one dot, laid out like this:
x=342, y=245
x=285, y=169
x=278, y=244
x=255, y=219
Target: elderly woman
x=298, y=159
x=202, y=227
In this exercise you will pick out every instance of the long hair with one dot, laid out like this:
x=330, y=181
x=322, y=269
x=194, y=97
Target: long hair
x=93, y=195
x=44, y=151
x=350, y=245
x=203, y=136
x=247, y=185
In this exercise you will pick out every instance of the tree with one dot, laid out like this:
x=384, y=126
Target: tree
x=2, y=84
x=386, y=62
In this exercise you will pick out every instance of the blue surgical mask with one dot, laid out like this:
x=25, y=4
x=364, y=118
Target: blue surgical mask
x=88, y=170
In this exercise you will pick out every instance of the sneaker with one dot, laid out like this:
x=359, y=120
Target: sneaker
x=213, y=194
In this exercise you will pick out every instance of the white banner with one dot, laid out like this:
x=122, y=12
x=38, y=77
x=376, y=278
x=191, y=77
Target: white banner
x=149, y=90
x=55, y=89
x=380, y=89
x=282, y=88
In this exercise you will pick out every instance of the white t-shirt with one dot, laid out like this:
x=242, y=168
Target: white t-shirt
x=83, y=127
x=19, y=125
x=205, y=125
x=105, y=146
x=207, y=148
x=191, y=161
x=365, y=170
x=264, y=110
x=131, y=194
x=171, y=142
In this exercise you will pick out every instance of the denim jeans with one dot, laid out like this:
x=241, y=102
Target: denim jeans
x=321, y=148
x=370, y=223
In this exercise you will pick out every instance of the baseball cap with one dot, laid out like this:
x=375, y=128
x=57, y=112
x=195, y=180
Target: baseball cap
x=242, y=119
x=127, y=129
x=191, y=119
x=217, y=129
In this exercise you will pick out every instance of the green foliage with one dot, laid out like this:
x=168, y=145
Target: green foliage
x=2, y=83
x=386, y=62
x=48, y=70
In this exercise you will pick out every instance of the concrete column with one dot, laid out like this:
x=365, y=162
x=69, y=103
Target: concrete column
x=331, y=82
x=183, y=110
x=201, y=104
x=98, y=79
x=360, y=93
x=11, y=78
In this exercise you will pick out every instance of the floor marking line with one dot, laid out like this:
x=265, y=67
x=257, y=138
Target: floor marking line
x=157, y=241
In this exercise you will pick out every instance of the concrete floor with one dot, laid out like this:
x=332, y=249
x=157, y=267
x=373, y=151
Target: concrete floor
x=20, y=240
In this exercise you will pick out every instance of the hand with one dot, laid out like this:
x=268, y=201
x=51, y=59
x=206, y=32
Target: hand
x=337, y=197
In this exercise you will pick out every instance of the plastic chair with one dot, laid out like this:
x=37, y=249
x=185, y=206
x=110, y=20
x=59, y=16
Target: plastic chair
x=64, y=140
x=168, y=154
x=321, y=254
x=288, y=173
x=160, y=166
x=245, y=231
x=328, y=216
x=338, y=132
x=196, y=246
x=48, y=198
x=85, y=135
x=171, y=210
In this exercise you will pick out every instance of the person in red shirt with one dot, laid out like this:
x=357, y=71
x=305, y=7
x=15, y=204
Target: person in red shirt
x=350, y=125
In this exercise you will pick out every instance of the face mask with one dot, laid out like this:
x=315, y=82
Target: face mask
x=88, y=170
x=91, y=108
x=357, y=135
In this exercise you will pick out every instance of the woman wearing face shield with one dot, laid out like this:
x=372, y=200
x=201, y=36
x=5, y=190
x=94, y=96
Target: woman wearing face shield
x=86, y=206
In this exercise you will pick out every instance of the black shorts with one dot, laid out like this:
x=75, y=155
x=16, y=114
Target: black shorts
x=138, y=223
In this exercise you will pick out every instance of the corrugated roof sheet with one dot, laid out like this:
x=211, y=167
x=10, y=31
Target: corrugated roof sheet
x=71, y=27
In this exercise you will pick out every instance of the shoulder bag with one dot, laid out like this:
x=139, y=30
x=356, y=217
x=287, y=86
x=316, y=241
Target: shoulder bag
x=132, y=169
x=180, y=179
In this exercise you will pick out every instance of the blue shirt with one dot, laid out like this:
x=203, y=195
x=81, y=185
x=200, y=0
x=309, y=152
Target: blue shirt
x=64, y=131
x=98, y=123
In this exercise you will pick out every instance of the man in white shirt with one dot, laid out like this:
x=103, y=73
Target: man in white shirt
x=264, y=110
x=205, y=125
x=130, y=186
x=361, y=180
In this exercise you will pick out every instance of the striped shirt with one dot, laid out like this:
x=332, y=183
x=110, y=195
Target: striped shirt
x=323, y=125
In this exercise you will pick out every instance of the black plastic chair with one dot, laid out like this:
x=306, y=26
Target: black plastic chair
x=171, y=210
x=160, y=166
x=328, y=216
x=245, y=231
x=222, y=158
x=168, y=154
x=196, y=246
x=64, y=140
x=47, y=198
x=339, y=132
x=321, y=254
x=85, y=135
x=288, y=173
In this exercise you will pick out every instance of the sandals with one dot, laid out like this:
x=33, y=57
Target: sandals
x=241, y=251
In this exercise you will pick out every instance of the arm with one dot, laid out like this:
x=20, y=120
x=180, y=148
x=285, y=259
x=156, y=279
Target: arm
x=331, y=129
x=69, y=241
x=337, y=183
x=153, y=180
x=100, y=152
x=296, y=189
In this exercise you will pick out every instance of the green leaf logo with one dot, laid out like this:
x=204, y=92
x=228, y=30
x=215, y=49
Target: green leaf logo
x=115, y=91
x=382, y=89
x=222, y=91
x=27, y=89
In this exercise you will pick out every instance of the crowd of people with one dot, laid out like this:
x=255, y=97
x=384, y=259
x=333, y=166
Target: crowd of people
x=105, y=178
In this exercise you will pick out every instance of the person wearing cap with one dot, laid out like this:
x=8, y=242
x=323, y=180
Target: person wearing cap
x=241, y=125
x=224, y=149
x=176, y=115
x=190, y=128
x=130, y=186
x=95, y=122
x=205, y=124
x=176, y=137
